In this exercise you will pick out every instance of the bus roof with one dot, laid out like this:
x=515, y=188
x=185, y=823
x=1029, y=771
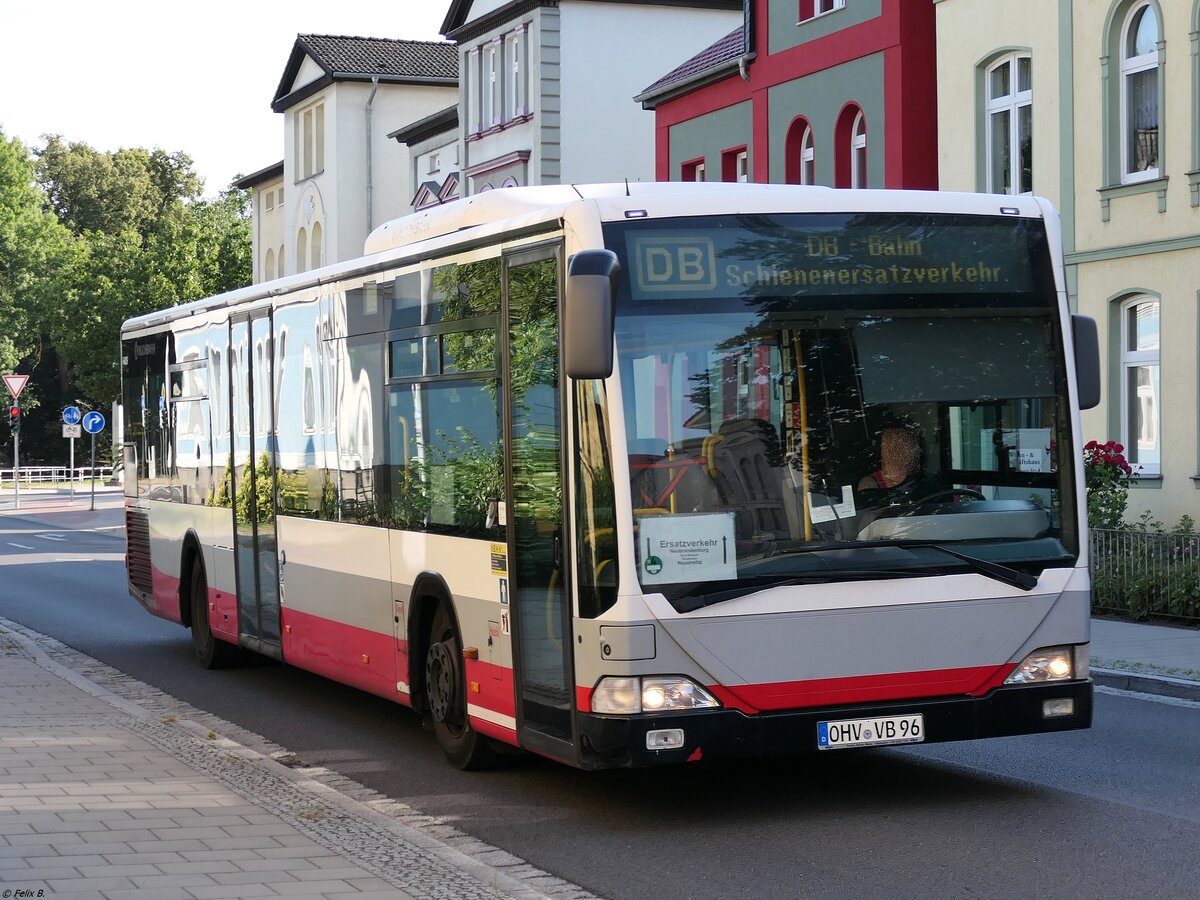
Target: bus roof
x=500, y=211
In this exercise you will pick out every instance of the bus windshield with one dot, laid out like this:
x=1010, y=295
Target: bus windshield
x=832, y=397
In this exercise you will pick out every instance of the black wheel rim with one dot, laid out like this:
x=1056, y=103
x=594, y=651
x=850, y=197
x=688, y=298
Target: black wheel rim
x=441, y=679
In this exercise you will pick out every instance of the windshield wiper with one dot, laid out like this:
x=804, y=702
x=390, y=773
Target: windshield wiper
x=1002, y=573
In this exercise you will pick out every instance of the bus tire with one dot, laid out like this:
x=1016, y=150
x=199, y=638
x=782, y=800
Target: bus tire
x=211, y=652
x=446, y=695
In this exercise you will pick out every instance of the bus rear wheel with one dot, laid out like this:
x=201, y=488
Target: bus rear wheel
x=446, y=696
x=211, y=652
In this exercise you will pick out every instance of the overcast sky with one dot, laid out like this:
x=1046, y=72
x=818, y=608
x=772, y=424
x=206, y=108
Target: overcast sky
x=196, y=77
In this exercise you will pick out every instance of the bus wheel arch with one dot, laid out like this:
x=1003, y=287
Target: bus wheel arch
x=210, y=651
x=190, y=556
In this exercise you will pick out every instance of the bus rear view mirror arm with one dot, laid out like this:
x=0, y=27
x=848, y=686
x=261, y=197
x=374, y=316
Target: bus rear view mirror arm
x=588, y=315
x=1087, y=360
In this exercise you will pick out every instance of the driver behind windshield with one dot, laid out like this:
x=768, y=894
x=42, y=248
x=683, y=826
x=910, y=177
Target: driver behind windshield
x=901, y=461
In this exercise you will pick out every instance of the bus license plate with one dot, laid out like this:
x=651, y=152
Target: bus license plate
x=871, y=732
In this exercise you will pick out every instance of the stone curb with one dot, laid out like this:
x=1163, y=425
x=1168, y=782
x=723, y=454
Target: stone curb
x=1142, y=683
x=492, y=881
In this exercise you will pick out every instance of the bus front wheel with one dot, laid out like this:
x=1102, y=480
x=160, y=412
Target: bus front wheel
x=210, y=652
x=445, y=692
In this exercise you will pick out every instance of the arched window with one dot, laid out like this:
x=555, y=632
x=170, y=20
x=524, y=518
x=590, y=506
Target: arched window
x=858, y=152
x=1009, y=83
x=1139, y=94
x=808, y=158
x=1141, y=383
x=301, y=250
x=282, y=270
x=317, y=256
x=850, y=148
x=269, y=265
x=800, y=166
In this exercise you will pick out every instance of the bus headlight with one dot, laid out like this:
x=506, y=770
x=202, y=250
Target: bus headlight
x=658, y=693
x=1052, y=664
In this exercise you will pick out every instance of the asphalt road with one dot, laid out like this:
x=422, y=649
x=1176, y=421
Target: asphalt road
x=1110, y=812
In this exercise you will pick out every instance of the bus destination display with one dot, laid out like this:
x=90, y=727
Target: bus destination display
x=845, y=259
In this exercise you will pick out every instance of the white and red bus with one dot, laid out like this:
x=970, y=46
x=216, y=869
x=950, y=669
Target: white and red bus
x=596, y=471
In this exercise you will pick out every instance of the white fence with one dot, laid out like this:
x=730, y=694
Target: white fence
x=54, y=476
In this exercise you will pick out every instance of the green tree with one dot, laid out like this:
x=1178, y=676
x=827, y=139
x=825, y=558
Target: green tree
x=147, y=242
x=34, y=249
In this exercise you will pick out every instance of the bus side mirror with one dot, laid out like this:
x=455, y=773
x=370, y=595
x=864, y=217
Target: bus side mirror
x=1087, y=360
x=588, y=314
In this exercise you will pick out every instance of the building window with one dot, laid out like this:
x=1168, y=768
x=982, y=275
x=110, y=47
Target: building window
x=316, y=257
x=810, y=9
x=800, y=159
x=433, y=163
x=474, y=92
x=269, y=266
x=735, y=164
x=310, y=141
x=1139, y=94
x=1141, y=391
x=693, y=170
x=808, y=158
x=858, y=152
x=491, y=87
x=514, y=88
x=281, y=269
x=301, y=250
x=850, y=147
x=279, y=197
x=269, y=200
x=1010, y=125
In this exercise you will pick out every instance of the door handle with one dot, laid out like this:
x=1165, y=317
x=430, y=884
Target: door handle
x=557, y=550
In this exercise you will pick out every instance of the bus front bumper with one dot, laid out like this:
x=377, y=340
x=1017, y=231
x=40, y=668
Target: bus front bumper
x=617, y=742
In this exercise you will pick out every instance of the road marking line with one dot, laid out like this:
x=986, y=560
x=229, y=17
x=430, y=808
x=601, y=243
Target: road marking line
x=22, y=546
x=51, y=537
x=1153, y=698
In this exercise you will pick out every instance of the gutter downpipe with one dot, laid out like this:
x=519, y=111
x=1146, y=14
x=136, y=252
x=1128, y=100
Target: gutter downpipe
x=370, y=158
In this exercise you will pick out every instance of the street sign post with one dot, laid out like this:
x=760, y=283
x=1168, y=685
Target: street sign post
x=16, y=384
x=71, y=417
x=93, y=424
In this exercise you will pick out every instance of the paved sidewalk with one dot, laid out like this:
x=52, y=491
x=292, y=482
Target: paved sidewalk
x=101, y=798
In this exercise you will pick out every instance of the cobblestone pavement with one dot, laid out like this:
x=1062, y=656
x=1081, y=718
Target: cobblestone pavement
x=110, y=788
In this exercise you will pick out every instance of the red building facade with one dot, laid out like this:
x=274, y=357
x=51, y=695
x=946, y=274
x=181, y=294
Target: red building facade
x=833, y=92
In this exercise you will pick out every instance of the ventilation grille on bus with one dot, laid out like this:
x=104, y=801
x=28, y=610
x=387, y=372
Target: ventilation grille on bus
x=137, y=541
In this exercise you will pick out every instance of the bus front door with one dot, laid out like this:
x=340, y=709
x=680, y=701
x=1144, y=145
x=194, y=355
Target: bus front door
x=252, y=482
x=541, y=609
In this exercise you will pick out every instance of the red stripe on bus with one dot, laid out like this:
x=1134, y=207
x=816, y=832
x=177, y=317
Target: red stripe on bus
x=373, y=661
x=754, y=698
x=164, y=591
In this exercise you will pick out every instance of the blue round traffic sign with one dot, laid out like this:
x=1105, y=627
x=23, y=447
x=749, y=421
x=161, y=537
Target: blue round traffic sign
x=93, y=422
x=71, y=415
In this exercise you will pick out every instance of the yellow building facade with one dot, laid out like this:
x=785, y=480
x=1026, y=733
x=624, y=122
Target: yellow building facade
x=1095, y=104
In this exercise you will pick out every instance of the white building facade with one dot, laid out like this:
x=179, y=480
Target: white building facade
x=546, y=89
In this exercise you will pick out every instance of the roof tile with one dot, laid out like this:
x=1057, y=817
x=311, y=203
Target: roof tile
x=346, y=55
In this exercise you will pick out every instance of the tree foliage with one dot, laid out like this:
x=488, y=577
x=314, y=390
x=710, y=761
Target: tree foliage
x=34, y=249
x=90, y=238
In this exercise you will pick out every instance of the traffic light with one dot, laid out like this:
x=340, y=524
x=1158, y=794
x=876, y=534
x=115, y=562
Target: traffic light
x=14, y=418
